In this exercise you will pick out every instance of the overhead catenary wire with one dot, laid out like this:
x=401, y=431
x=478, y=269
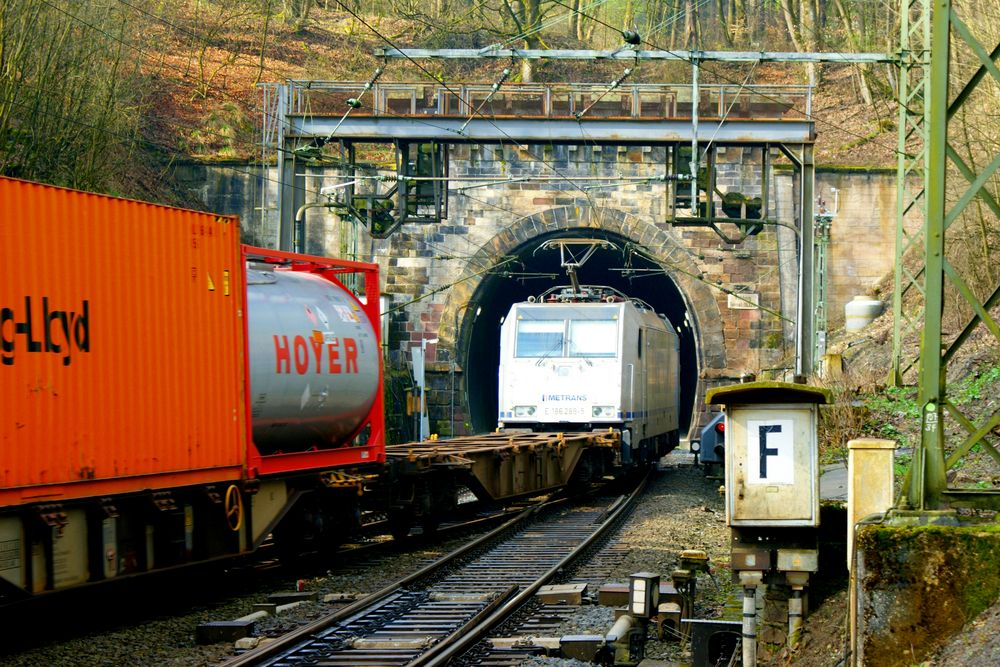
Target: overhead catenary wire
x=728, y=109
x=541, y=26
x=674, y=18
x=431, y=293
x=562, y=177
x=179, y=28
x=700, y=278
x=142, y=141
x=715, y=72
x=439, y=80
x=612, y=86
x=138, y=139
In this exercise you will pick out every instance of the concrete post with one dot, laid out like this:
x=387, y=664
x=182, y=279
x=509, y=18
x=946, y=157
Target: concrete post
x=750, y=581
x=869, y=491
x=869, y=482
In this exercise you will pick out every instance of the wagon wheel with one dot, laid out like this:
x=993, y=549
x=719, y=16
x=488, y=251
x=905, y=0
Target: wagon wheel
x=400, y=521
x=234, y=508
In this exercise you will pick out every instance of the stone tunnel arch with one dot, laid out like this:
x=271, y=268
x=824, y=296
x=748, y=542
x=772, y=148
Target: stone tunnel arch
x=470, y=314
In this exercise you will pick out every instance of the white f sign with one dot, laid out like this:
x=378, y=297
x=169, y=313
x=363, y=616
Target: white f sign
x=770, y=454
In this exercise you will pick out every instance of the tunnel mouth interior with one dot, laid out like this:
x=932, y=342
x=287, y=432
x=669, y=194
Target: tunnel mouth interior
x=534, y=271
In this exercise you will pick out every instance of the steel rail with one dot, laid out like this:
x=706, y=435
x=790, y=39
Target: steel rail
x=263, y=653
x=465, y=637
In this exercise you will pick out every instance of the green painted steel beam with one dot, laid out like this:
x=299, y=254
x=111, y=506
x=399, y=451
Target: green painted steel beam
x=914, y=48
x=926, y=485
x=929, y=465
x=983, y=500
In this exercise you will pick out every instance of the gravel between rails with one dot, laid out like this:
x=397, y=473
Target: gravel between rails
x=680, y=510
x=169, y=640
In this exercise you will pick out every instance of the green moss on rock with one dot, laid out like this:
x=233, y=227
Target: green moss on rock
x=920, y=584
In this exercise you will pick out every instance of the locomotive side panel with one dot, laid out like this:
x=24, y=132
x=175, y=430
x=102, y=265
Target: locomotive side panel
x=121, y=345
x=661, y=350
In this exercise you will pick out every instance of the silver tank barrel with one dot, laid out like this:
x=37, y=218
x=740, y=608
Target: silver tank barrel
x=314, y=361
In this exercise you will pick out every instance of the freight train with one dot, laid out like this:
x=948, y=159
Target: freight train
x=171, y=396
x=590, y=358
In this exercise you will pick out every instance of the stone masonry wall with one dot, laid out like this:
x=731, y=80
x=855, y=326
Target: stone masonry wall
x=429, y=272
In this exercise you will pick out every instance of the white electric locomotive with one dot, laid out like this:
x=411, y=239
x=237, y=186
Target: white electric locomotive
x=591, y=358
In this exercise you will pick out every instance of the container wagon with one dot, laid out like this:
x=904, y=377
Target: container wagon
x=169, y=395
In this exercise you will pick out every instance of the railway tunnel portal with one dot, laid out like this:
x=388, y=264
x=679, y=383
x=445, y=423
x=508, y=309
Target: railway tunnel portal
x=681, y=274
x=633, y=269
x=457, y=223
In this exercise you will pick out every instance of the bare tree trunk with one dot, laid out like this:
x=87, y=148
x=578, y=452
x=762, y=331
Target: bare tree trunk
x=810, y=35
x=791, y=23
x=691, y=37
x=725, y=24
x=574, y=19
x=852, y=42
x=629, y=18
x=263, y=42
x=673, y=25
x=296, y=12
x=527, y=20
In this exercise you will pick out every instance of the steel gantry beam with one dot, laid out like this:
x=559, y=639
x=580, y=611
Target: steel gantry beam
x=545, y=114
x=629, y=54
x=541, y=130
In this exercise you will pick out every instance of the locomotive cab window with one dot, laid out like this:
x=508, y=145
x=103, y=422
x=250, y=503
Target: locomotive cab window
x=593, y=338
x=586, y=331
x=540, y=338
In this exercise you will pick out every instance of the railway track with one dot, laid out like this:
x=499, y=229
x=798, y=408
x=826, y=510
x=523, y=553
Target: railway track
x=433, y=615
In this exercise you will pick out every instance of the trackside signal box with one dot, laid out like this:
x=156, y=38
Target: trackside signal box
x=772, y=496
x=772, y=456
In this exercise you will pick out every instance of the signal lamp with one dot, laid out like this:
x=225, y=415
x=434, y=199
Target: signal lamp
x=644, y=594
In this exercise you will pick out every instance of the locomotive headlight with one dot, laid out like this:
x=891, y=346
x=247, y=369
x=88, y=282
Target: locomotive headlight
x=524, y=410
x=606, y=411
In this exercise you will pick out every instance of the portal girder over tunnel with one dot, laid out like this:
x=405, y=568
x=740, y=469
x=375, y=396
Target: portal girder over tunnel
x=500, y=184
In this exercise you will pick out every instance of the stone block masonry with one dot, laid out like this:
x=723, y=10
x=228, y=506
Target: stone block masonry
x=502, y=220
x=431, y=271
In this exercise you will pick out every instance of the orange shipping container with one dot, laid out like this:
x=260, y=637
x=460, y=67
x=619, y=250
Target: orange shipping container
x=122, y=346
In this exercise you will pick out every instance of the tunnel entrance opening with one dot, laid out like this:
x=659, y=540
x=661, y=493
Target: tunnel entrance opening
x=537, y=270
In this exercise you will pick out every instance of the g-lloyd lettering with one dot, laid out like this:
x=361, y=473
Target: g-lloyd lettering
x=58, y=332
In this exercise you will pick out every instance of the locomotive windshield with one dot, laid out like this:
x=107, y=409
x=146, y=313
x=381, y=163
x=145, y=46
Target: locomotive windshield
x=540, y=338
x=593, y=338
x=567, y=331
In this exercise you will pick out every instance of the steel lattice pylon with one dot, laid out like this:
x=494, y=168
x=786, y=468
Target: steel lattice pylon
x=914, y=65
x=927, y=486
